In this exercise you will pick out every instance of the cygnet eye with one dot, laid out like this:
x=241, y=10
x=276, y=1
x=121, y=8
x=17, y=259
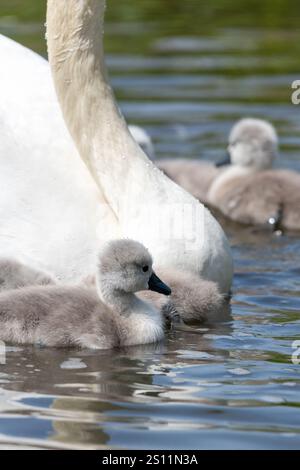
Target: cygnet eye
x=145, y=268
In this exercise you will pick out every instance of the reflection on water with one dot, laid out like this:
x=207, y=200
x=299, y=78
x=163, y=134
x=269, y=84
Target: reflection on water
x=232, y=386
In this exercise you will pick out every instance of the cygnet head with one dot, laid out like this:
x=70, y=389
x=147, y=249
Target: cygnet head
x=143, y=139
x=252, y=143
x=125, y=267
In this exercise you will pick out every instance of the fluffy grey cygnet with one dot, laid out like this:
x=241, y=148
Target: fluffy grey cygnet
x=103, y=318
x=193, y=299
x=249, y=190
x=144, y=140
x=252, y=143
x=14, y=274
x=195, y=176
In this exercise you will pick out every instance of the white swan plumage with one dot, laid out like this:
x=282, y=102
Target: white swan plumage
x=61, y=222
x=144, y=140
x=50, y=206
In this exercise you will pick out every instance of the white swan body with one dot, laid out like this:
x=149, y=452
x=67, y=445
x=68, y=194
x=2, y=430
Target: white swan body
x=50, y=198
x=50, y=206
x=192, y=175
x=143, y=139
x=143, y=199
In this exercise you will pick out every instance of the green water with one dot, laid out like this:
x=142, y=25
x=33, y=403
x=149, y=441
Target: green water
x=185, y=71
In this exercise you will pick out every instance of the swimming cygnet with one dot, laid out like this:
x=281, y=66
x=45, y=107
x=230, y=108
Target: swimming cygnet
x=14, y=274
x=249, y=191
x=143, y=139
x=197, y=176
x=103, y=318
x=192, y=299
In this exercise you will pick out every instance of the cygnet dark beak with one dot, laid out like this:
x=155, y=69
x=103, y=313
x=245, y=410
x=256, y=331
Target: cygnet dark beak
x=225, y=161
x=157, y=285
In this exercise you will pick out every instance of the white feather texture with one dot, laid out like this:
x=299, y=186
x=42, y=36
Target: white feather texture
x=51, y=209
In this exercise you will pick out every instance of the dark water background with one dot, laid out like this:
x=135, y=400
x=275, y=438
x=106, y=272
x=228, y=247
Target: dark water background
x=185, y=71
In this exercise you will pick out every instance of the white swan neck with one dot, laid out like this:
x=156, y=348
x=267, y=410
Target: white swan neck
x=75, y=47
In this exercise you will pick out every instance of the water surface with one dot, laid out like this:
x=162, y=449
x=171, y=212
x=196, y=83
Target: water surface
x=186, y=71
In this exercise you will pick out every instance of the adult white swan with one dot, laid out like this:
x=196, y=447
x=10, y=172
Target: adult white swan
x=137, y=193
x=50, y=206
